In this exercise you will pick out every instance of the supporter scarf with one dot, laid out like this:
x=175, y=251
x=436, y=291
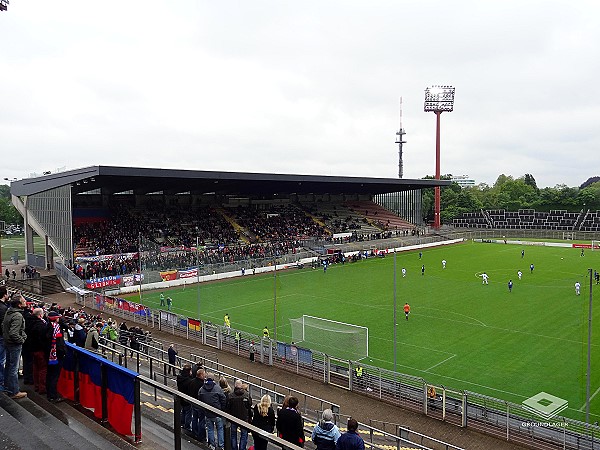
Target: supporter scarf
x=56, y=333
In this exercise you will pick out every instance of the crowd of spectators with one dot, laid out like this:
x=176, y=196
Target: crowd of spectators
x=36, y=333
x=279, y=223
x=207, y=427
x=163, y=260
x=176, y=238
x=114, y=266
x=170, y=238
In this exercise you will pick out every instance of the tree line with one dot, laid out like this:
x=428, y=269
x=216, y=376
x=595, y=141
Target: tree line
x=8, y=213
x=511, y=194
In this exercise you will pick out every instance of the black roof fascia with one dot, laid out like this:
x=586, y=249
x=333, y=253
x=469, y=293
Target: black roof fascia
x=114, y=179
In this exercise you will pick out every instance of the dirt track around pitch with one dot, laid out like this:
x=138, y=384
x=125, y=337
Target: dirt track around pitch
x=352, y=404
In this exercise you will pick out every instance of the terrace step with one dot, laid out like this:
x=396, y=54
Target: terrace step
x=24, y=424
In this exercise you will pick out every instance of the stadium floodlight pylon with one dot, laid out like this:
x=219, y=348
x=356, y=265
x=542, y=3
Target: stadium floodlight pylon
x=338, y=339
x=438, y=99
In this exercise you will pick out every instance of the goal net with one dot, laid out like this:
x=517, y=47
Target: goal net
x=595, y=245
x=338, y=339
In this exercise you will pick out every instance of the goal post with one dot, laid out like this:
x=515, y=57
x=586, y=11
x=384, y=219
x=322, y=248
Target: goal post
x=595, y=245
x=339, y=339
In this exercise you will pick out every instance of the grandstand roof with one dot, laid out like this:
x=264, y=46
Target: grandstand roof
x=114, y=179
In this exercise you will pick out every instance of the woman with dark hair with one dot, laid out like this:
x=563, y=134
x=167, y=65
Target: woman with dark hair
x=290, y=425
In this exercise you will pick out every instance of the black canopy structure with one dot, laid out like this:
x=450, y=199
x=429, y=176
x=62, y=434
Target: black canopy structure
x=114, y=179
x=47, y=202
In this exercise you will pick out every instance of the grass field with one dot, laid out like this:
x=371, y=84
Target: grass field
x=10, y=244
x=461, y=334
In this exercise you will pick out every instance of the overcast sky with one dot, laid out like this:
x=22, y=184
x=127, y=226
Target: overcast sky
x=308, y=87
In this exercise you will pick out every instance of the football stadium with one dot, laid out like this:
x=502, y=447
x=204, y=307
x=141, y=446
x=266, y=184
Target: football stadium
x=332, y=279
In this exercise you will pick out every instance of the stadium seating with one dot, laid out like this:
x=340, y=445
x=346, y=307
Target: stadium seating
x=225, y=233
x=529, y=219
x=380, y=217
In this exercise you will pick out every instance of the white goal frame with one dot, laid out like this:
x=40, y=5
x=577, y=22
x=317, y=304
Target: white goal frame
x=334, y=328
x=595, y=245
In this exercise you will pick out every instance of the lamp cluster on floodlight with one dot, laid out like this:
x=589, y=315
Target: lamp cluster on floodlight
x=4, y=5
x=439, y=99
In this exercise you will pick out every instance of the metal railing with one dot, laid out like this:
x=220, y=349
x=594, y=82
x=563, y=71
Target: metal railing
x=158, y=370
x=461, y=408
x=268, y=352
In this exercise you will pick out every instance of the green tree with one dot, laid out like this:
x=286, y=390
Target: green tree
x=8, y=213
x=589, y=197
x=529, y=180
x=5, y=191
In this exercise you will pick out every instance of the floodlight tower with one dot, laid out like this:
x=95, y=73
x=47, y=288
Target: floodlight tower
x=400, y=140
x=438, y=99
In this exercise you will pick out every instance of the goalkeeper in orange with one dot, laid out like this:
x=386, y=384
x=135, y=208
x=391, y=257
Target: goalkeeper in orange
x=406, y=310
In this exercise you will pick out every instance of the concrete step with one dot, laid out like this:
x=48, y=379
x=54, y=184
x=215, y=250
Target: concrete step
x=49, y=424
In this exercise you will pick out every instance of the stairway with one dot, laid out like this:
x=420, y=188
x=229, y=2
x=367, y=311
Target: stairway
x=44, y=286
x=25, y=424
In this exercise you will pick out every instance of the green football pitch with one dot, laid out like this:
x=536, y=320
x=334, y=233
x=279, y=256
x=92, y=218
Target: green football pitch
x=461, y=333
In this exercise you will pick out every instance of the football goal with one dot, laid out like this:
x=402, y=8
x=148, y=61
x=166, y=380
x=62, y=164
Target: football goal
x=595, y=245
x=338, y=339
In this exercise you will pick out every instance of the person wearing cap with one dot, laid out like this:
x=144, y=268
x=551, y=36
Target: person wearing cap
x=56, y=355
x=325, y=433
x=350, y=440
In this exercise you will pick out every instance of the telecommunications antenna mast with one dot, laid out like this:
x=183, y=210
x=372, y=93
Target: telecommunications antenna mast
x=400, y=140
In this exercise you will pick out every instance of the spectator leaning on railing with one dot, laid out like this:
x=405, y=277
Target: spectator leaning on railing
x=350, y=440
x=325, y=433
x=239, y=404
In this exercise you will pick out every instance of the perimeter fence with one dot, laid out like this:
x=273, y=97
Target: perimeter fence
x=493, y=416
x=500, y=418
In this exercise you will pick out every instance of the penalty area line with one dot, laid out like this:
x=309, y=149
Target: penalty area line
x=440, y=363
x=591, y=398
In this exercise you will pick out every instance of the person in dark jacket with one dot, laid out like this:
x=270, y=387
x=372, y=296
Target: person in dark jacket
x=13, y=331
x=79, y=333
x=4, y=297
x=212, y=394
x=290, y=425
x=198, y=416
x=172, y=359
x=263, y=417
x=56, y=354
x=350, y=440
x=36, y=329
x=325, y=433
x=184, y=379
x=239, y=404
x=26, y=352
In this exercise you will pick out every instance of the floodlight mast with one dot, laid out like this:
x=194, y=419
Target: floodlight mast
x=438, y=99
x=400, y=140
